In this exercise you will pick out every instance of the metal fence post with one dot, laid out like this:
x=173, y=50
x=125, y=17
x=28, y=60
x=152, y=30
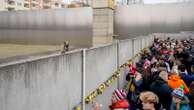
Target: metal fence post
x=118, y=63
x=133, y=54
x=83, y=78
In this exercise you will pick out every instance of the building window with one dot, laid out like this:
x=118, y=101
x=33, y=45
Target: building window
x=46, y=7
x=56, y=4
x=19, y=4
x=33, y=5
x=26, y=5
x=10, y=9
x=10, y=2
x=62, y=5
x=46, y=1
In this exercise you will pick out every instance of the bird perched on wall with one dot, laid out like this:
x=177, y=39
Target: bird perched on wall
x=65, y=47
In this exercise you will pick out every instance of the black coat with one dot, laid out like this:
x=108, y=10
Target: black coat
x=161, y=88
x=187, y=78
x=191, y=99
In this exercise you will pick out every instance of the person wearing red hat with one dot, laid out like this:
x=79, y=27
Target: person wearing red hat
x=135, y=81
x=120, y=105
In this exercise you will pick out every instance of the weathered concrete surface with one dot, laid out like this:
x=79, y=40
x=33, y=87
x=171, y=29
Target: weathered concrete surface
x=49, y=27
x=137, y=45
x=54, y=82
x=102, y=25
x=139, y=19
x=125, y=53
x=181, y=35
x=48, y=84
x=101, y=63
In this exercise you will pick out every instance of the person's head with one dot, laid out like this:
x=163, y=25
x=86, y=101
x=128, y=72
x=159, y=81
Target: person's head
x=179, y=50
x=146, y=51
x=149, y=100
x=192, y=68
x=161, y=59
x=175, y=69
x=171, y=58
x=178, y=94
x=178, y=62
x=182, y=68
x=164, y=75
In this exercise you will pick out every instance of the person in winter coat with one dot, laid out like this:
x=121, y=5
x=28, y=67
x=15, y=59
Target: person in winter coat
x=191, y=95
x=174, y=68
x=135, y=80
x=192, y=71
x=184, y=75
x=148, y=78
x=179, y=100
x=150, y=101
x=161, y=88
x=174, y=81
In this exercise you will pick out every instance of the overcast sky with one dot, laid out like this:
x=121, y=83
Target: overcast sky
x=159, y=1
x=145, y=1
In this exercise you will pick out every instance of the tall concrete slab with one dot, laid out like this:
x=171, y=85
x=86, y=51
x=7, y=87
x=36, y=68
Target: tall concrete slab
x=136, y=20
x=52, y=26
x=101, y=63
x=52, y=83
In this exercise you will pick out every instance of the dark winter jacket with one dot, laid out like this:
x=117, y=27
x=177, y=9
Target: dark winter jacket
x=159, y=107
x=186, y=78
x=191, y=99
x=191, y=95
x=161, y=88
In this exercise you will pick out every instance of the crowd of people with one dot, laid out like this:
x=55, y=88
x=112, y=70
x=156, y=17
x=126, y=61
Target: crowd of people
x=163, y=78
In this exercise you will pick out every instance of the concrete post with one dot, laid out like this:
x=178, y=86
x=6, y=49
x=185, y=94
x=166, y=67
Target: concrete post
x=103, y=13
x=133, y=50
x=83, y=78
x=118, y=63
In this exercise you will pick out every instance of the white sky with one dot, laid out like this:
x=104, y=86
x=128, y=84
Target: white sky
x=158, y=1
x=145, y=1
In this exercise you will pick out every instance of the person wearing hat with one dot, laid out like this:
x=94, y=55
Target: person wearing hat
x=174, y=81
x=179, y=100
x=120, y=105
x=118, y=101
x=135, y=81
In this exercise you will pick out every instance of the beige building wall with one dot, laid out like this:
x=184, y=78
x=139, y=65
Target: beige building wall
x=102, y=21
x=102, y=25
x=2, y=5
x=30, y=4
x=12, y=5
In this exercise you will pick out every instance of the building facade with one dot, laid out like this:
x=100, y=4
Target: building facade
x=11, y=5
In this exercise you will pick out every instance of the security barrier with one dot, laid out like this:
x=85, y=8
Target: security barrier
x=56, y=81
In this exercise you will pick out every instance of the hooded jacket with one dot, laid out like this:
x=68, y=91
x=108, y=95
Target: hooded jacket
x=161, y=88
x=175, y=82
